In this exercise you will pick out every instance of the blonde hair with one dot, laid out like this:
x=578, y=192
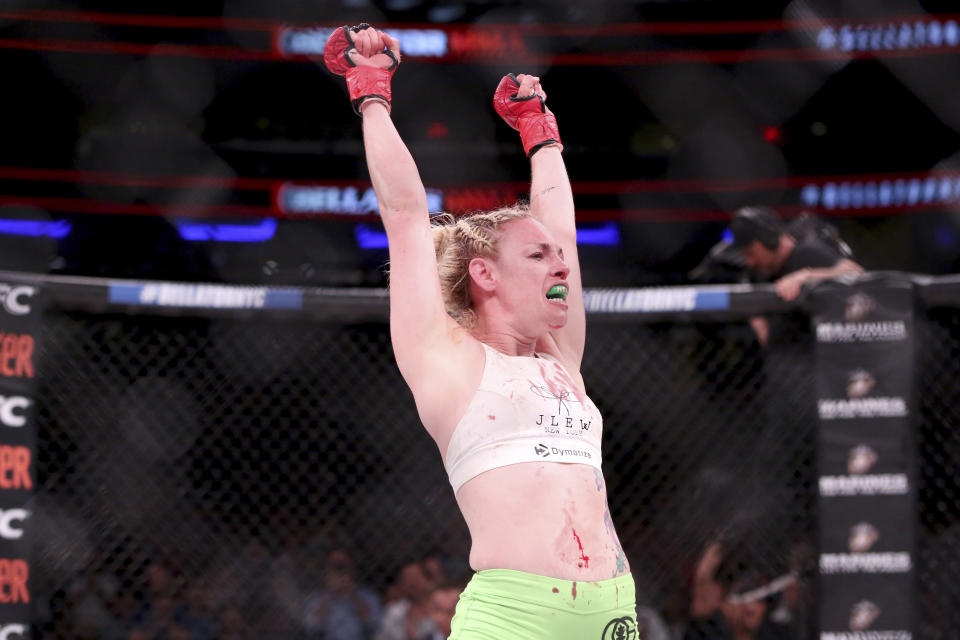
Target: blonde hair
x=457, y=241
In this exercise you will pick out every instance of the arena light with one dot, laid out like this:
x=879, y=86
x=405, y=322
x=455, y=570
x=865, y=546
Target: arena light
x=205, y=232
x=368, y=238
x=892, y=36
x=309, y=41
x=35, y=228
x=605, y=235
x=891, y=192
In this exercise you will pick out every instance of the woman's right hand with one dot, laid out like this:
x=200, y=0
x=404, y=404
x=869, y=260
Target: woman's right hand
x=367, y=59
x=371, y=46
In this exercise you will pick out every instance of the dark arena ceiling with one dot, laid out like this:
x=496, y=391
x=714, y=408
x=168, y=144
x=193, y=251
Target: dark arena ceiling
x=204, y=140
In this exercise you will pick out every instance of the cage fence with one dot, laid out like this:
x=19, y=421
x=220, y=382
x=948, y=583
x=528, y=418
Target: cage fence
x=204, y=473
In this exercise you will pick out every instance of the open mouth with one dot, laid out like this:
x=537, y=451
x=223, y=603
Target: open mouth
x=557, y=292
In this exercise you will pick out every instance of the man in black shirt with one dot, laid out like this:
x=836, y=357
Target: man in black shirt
x=772, y=253
x=783, y=459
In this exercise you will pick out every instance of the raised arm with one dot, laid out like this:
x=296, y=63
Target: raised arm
x=418, y=319
x=521, y=102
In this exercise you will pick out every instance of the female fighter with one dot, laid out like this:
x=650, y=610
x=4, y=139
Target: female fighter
x=488, y=325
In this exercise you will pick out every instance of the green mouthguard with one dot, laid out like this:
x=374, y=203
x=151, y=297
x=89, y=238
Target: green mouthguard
x=557, y=291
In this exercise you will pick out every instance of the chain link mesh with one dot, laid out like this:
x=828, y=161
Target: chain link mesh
x=938, y=379
x=194, y=475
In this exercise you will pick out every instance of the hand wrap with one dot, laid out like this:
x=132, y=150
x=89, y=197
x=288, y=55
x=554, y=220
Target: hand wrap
x=363, y=82
x=527, y=115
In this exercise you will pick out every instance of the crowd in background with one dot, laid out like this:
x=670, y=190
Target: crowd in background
x=725, y=599
x=417, y=603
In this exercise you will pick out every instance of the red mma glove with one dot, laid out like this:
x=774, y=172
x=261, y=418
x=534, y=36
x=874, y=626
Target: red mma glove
x=366, y=58
x=527, y=114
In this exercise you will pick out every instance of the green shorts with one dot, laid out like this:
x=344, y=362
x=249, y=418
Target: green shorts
x=502, y=604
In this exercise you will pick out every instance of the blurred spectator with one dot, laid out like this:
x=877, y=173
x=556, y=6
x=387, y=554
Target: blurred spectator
x=407, y=616
x=441, y=607
x=341, y=609
x=200, y=615
x=730, y=600
x=94, y=597
x=234, y=626
x=161, y=613
x=163, y=620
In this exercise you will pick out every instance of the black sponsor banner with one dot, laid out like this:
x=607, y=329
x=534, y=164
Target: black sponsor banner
x=868, y=605
x=20, y=317
x=858, y=530
x=845, y=450
x=867, y=514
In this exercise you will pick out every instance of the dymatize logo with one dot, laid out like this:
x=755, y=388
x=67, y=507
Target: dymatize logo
x=858, y=307
x=544, y=451
x=857, y=405
x=12, y=410
x=15, y=298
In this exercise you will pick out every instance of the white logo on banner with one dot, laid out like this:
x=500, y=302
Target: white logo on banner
x=862, y=615
x=867, y=635
x=203, y=295
x=10, y=411
x=887, y=484
x=844, y=332
x=9, y=519
x=860, y=384
x=845, y=563
x=14, y=298
x=861, y=459
x=859, y=306
x=857, y=405
x=13, y=632
x=837, y=409
x=862, y=537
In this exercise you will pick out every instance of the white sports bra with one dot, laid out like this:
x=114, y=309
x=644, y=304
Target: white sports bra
x=527, y=409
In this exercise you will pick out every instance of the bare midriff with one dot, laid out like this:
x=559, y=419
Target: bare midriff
x=549, y=519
